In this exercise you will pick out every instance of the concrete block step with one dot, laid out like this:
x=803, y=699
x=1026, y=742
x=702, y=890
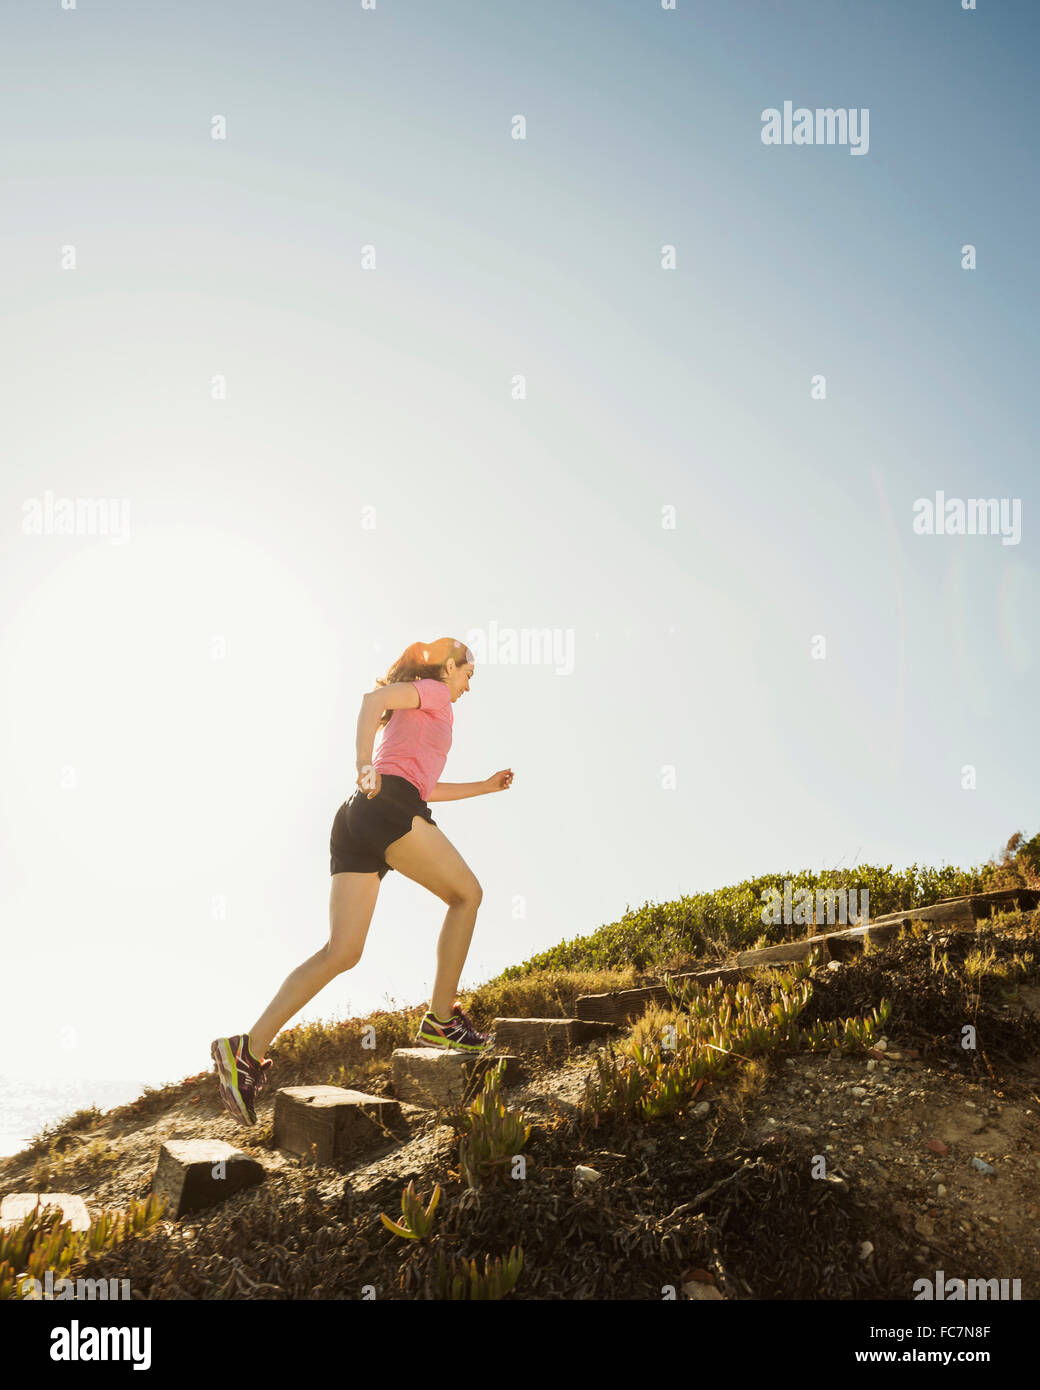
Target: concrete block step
x=193, y=1174
x=434, y=1079
x=341, y=1123
x=16, y=1206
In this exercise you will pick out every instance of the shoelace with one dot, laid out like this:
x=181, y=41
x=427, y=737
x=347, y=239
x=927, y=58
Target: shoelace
x=467, y=1022
x=257, y=1073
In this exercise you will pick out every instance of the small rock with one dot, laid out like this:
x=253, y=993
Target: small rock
x=937, y=1146
x=702, y=1107
x=871, y=1065
x=588, y=1175
x=971, y=1105
x=834, y=965
x=859, y=1092
x=881, y=1045
x=940, y=1191
x=924, y=1227
x=983, y=1167
x=866, y=1250
x=702, y=1292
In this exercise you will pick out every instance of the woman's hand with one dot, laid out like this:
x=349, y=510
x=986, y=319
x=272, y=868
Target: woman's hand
x=370, y=781
x=499, y=781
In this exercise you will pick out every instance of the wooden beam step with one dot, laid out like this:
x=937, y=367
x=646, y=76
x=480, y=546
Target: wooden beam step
x=621, y=1006
x=534, y=1034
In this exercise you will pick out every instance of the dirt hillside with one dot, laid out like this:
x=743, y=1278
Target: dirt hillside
x=722, y=1197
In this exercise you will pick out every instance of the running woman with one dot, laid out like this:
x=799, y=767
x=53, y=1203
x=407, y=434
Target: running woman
x=385, y=825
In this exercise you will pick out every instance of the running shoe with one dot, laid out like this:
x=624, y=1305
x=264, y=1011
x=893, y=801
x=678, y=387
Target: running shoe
x=241, y=1076
x=458, y=1034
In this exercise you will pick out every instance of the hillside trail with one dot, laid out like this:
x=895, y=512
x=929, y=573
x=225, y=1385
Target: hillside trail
x=905, y=1132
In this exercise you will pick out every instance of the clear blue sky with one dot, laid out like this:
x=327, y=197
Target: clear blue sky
x=392, y=388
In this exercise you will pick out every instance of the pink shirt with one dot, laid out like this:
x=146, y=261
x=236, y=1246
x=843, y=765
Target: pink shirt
x=414, y=743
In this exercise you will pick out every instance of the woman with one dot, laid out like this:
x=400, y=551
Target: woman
x=385, y=825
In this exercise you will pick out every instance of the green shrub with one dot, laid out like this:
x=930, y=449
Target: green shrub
x=675, y=934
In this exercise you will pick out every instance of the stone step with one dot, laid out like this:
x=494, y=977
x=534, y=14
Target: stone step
x=436, y=1080
x=16, y=1206
x=193, y=1174
x=341, y=1123
x=556, y=1034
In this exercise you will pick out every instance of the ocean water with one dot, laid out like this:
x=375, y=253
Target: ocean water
x=26, y=1105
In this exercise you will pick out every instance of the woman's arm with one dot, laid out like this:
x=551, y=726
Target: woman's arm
x=455, y=791
x=399, y=695
x=367, y=724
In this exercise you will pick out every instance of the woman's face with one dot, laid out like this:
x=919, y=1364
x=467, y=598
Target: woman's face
x=458, y=678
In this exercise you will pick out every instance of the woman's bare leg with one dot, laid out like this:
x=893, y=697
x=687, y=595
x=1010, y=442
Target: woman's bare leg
x=352, y=901
x=428, y=857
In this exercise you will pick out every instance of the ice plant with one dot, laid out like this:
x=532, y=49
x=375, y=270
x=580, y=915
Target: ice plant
x=417, y=1220
x=465, y=1280
x=45, y=1240
x=494, y=1134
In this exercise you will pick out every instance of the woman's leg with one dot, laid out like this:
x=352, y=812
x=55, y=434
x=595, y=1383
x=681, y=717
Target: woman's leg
x=352, y=901
x=427, y=856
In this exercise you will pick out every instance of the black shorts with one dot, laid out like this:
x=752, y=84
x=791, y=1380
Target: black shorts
x=364, y=827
